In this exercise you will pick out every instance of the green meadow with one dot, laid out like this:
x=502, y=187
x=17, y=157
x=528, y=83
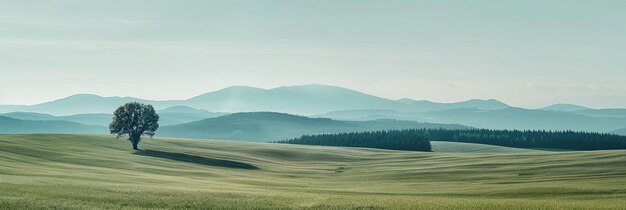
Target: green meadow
x=46, y=171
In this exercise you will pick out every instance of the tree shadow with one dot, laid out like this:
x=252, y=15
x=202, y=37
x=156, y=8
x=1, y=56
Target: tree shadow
x=196, y=159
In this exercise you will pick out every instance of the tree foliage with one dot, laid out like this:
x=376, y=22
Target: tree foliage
x=134, y=120
x=419, y=139
x=574, y=140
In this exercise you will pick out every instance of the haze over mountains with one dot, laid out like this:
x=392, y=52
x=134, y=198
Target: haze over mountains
x=170, y=116
x=271, y=126
x=17, y=126
x=326, y=102
x=508, y=118
x=251, y=126
x=301, y=100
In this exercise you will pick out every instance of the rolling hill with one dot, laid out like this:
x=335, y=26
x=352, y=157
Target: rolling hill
x=509, y=118
x=270, y=126
x=460, y=147
x=100, y=172
x=16, y=126
x=169, y=116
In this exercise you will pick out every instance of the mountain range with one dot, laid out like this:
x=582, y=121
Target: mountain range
x=16, y=126
x=254, y=126
x=302, y=100
x=328, y=102
x=169, y=116
x=271, y=126
x=508, y=118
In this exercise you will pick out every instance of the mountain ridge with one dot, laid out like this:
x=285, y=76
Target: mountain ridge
x=271, y=126
x=10, y=125
x=565, y=107
x=304, y=100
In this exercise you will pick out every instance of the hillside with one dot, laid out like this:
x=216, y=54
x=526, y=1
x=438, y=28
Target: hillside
x=271, y=126
x=15, y=126
x=89, y=172
x=509, y=118
x=169, y=116
x=459, y=147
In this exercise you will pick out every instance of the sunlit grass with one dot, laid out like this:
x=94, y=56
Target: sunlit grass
x=87, y=172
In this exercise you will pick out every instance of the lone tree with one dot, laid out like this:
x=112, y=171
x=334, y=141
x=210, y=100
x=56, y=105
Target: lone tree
x=134, y=120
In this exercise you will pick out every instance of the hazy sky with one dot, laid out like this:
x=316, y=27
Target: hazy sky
x=526, y=53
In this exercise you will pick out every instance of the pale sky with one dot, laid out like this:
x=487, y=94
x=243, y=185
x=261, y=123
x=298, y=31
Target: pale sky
x=529, y=53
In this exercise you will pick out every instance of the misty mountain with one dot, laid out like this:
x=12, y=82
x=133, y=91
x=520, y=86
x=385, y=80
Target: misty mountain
x=269, y=126
x=565, y=107
x=168, y=116
x=603, y=112
x=29, y=116
x=304, y=100
x=368, y=114
x=425, y=106
x=16, y=126
x=587, y=111
x=85, y=119
x=182, y=109
x=308, y=99
x=526, y=119
x=76, y=104
x=183, y=114
x=509, y=118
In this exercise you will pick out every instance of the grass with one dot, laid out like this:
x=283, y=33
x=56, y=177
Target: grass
x=100, y=172
x=461, y=147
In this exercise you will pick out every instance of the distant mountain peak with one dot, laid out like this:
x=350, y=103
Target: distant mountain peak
x=81, y=96
x=241, y=87
x=316, y=88
x=232, y=90
x=495, y=104
x=181, y=109
x=311, y=86
x=565, y=107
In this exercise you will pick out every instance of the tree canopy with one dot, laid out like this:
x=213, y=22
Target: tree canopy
x=134, y=120
x=412, y=140
x=419, y=139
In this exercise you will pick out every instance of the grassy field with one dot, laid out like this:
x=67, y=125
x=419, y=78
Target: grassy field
x=460, y=147
x=88, y=172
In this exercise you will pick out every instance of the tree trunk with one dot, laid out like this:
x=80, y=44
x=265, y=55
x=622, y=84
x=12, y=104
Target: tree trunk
x=134, y=139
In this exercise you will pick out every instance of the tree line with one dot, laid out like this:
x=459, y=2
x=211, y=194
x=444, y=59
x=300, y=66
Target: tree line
x=574, y=140
x=419, y=139
x=412, y=140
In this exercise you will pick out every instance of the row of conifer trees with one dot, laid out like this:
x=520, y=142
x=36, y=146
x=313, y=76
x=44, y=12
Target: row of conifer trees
x=412, y=140
x=574, y=140
x=419, y=139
